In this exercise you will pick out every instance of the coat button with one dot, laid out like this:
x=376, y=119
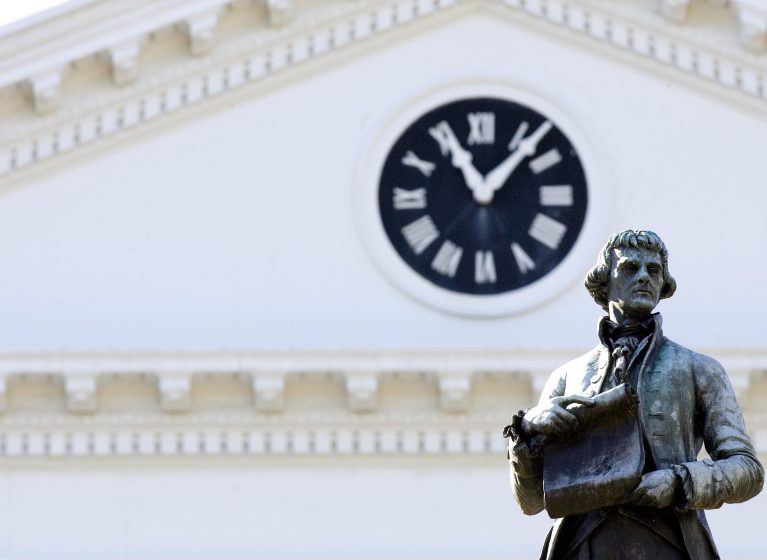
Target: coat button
x=596, y=378
x=591, y=392
x=708, y=462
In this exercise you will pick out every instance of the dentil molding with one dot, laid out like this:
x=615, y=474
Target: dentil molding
x=276, y=404
x=54, y=60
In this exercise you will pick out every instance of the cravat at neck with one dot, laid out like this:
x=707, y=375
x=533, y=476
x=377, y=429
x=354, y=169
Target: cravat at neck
x=624, y=340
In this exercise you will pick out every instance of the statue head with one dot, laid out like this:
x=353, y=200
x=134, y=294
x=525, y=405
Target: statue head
x=631, y=273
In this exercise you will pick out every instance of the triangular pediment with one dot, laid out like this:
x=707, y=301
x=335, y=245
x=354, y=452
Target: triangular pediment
x=93, y=71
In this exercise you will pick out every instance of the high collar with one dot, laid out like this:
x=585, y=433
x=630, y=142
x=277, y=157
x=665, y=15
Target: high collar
x=607, y=328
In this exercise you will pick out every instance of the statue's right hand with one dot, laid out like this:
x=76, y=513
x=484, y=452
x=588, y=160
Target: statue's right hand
x=553, y=418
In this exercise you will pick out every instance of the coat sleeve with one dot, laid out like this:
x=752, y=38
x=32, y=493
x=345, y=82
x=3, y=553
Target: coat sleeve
x=526, y=456
x=733, y=472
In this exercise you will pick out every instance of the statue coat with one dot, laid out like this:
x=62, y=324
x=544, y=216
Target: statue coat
x=686, y=402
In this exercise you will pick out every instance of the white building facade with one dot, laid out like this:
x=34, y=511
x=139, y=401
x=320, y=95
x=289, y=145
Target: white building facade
x=209, y=344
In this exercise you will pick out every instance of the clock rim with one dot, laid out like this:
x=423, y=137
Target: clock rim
x=384, y=255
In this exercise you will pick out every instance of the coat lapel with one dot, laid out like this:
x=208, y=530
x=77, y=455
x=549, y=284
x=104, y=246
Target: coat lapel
x=599, y=367
x=652, y=352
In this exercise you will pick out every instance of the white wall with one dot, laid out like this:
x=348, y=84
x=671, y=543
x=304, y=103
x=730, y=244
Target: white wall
x=237, y=231
x=284, y=510
x=377, y=509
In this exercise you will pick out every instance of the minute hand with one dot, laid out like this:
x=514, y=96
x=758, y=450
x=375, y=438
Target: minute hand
x=498, y=176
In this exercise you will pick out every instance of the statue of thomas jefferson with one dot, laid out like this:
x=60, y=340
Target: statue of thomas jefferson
x=685, y=402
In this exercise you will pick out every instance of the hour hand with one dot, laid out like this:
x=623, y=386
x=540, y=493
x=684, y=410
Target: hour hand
x=460, y=157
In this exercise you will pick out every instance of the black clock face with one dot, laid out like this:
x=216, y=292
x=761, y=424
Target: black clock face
x=482, y=196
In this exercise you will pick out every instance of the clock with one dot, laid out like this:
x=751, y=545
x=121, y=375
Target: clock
x=481, y=198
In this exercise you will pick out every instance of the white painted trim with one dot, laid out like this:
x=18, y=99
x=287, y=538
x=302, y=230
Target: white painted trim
x=320, y=362
x=195, y=439
x=236, y=442
x=176, y=426
x=43, y=16
x=697, y=57
x=85, y=35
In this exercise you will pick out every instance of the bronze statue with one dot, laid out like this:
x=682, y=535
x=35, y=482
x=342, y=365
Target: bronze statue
x=685, y=401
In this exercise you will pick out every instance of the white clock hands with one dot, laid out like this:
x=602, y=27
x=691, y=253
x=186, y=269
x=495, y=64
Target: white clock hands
x=461, y=158
x=483, y=188
x=498, y=176
x=489, y=208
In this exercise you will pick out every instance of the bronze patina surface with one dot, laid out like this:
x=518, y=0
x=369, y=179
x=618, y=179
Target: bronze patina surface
x=685, y=402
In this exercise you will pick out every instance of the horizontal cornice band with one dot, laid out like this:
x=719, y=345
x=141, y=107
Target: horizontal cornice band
x=201, y=361
x=265, y=404
x=267, y=373
x=223, y=66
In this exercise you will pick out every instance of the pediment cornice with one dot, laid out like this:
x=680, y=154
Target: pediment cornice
x=103, y=69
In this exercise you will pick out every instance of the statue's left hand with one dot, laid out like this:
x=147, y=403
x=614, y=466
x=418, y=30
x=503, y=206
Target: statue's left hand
x=656, y=489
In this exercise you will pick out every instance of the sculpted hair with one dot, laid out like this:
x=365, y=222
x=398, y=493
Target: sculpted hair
x=597, y=278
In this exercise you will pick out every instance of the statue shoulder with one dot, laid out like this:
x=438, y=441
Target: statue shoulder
x=585, y=361
x=700, y=363
x=568, y=377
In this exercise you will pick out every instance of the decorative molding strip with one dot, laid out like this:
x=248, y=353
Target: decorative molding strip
x=280, y=11
x=280, y=362
x=201, y=29
x=752, y=19
x=667, y=44
x=675, y=10
x=175, y=391
x=275, y=362
x=233, y=442
x=238, y=64
x=307, y=35
x=44, y=90
x=287, y=403
x=124, y=61
x=90, y=28
x=321, y=361
x=3, y=393
x=268, y=373
x=455, y=391
x=269, y=392
x=387, y=437
x=80, y=392
x=362, y=390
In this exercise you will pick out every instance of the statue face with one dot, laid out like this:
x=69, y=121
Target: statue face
x=636, y=280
